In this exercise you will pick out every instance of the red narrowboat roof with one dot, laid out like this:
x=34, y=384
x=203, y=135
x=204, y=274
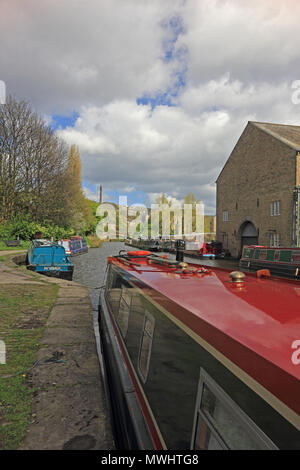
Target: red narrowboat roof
x=254, y=324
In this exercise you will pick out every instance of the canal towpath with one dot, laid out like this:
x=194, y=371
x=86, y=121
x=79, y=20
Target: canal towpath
x=69, y=407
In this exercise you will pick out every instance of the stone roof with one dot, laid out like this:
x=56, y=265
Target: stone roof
x=289, y=135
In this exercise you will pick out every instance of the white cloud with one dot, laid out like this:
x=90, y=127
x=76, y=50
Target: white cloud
x=221, y=62
x=175, y=150
x=254, y=41
x=61, y=54
x=152, y=198
x=94, y=194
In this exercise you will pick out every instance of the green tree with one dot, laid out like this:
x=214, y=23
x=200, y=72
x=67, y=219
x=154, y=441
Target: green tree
x=78, y=206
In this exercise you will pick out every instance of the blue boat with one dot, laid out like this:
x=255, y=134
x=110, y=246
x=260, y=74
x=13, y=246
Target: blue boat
x=74, y=246
x=46, y=257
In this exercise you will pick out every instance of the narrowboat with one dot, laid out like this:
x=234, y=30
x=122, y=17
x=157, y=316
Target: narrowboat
x=199, y=358
x=152, y=245
x=213, y=250
x=279, y=261
x=74, y=246
x=166, y=245
x=207, y=251
x=46, y=257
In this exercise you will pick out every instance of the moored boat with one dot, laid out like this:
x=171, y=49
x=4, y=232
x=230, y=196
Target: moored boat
x=152, y=245
x=200, y=358
x=207, y=251
x=74, y=246
x=279, y=261
x=46, y=257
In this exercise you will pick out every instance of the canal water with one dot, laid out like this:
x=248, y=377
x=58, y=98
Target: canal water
x=89, y=268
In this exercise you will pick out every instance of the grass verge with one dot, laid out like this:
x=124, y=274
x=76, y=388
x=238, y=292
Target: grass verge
x=24, y=310
x=93, y=241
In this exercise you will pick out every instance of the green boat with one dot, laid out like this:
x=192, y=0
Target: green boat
x=280, y=261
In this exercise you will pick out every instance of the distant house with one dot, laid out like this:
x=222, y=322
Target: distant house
x=258, y=189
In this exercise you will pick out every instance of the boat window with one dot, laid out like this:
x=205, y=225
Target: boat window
x=109, y=278
x=124, y=309
x=113, y=290
x=118, y=295
x=146, y=346
x=221, y=424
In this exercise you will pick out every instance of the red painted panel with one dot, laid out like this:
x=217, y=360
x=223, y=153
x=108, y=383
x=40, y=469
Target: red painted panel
x=254, y=324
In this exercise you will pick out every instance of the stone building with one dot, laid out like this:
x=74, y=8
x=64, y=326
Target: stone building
x=258, y=189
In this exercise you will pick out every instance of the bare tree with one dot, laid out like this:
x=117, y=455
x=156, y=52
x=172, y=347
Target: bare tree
x=33, y=163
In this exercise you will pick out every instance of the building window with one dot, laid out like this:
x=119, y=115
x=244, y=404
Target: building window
x=225, y=216
x=275, y=208
x=274, y=239
x=221, y=424
x=257, y=202
x=146, y=346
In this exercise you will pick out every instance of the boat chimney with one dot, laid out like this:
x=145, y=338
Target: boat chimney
x=180, y=247
x=100, y=195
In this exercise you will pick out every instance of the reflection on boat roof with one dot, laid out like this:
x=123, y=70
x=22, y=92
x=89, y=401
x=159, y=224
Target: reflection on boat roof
x=259, y=314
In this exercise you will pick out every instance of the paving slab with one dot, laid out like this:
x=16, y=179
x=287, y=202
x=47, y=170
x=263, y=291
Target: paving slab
x=70, y=289
x=70, y=315
x=62, y=336
x=74, y=300
x=69, y=418
x=77, y=364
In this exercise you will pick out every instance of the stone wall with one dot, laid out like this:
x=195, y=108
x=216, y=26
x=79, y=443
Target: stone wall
x=261, y=169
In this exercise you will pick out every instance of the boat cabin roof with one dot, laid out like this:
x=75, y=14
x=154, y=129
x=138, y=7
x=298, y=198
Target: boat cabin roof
x=253, y=323
x=276, y=248
x=42, y=242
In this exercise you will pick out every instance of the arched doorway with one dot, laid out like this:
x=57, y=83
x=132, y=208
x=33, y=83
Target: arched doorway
x=248, y=234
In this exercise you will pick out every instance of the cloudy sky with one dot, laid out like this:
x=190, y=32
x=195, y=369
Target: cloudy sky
x=154, y=92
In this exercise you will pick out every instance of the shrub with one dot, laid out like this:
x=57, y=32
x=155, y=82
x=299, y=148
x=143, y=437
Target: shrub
x=26, y=230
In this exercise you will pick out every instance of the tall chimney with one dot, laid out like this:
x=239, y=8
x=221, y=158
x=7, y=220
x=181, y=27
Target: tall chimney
x=100, y=195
